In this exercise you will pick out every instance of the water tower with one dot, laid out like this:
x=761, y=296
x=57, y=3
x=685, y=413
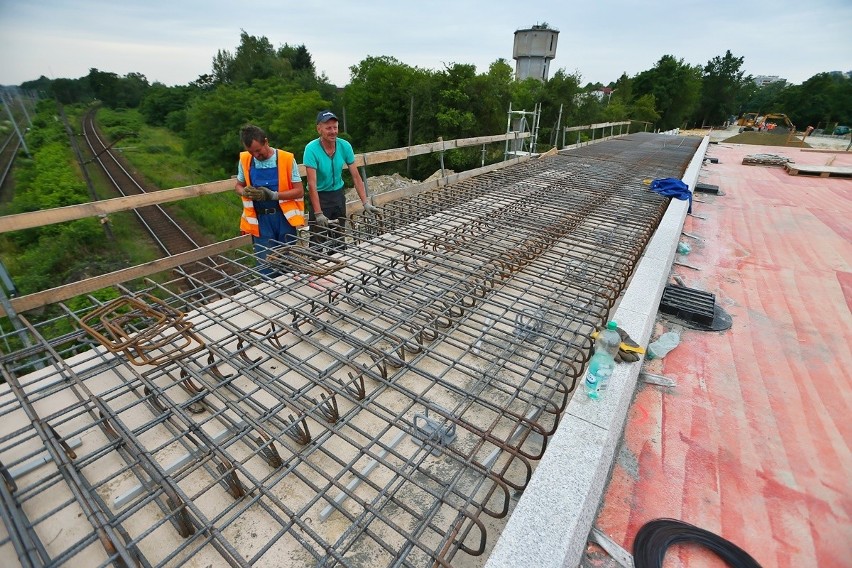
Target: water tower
x=534, y=48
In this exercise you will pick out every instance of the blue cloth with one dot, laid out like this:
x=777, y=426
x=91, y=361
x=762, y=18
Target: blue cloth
x=672, y=187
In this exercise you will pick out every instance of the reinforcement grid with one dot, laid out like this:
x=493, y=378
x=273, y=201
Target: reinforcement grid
x=376, y=408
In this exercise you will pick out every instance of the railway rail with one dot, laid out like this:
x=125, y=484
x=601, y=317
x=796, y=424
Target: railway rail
x=163, y=228
x=7, y=156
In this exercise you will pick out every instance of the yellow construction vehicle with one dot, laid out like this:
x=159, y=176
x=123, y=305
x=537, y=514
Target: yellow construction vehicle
x=746, y=120
x=771, y=121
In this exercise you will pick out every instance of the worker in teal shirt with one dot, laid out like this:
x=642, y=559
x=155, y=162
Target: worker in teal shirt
x=324, y=160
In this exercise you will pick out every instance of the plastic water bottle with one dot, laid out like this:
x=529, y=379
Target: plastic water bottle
x=661, y=347
x=609, y=340
x=602, y=363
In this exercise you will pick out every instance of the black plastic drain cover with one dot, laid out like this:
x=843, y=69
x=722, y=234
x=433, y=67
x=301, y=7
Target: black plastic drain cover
x=707, y=188
x=688, y=304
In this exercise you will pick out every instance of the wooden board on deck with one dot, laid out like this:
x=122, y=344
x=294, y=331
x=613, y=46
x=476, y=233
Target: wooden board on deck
x=821, y=171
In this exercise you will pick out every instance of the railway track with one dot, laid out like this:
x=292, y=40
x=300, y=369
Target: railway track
x=7, y=156
x=163, y=228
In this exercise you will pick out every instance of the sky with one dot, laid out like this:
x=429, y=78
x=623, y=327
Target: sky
x=174, y=42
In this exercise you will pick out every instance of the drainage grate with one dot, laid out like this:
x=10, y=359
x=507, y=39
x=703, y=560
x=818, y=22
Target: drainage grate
x=706, y=188
x=688, y=303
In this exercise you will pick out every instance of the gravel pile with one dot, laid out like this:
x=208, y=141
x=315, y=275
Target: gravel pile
x=382, y=184
x=765, y=160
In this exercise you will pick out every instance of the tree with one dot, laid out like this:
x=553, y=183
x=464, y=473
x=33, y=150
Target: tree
x=490, y=96
x=824, y=98
x=254, y=59
x=721, y=84
x=623, y=89
x=378, y=100
x=676, y=88
x=298, y=56
x=455, y=106
x=561, y=90
x=104, y=86
x=761, y=99
x=131, y=88
x=69, y=91
x=643, y=109
x=213, y=123
x=161, y=101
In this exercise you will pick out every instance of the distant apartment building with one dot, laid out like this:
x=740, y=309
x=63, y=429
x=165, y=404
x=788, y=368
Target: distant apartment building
x=763, y=80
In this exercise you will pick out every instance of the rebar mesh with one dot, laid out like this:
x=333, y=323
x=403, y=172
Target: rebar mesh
x=380, y=412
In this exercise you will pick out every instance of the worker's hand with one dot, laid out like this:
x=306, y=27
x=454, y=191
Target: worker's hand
x=254, y=193
x=322, y=221
x=628, y=351
x=270, y=195
x=370, y=208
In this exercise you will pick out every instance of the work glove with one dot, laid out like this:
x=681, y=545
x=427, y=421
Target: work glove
x=322, y=221
x=268, y=194
x=253, y=193
x=260, y=193
x=628, y=351
x=370, y=208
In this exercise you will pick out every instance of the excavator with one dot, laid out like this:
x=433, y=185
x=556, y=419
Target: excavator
x=767, y=122
x=757, y=121
x=772, y=120
x=746, y=120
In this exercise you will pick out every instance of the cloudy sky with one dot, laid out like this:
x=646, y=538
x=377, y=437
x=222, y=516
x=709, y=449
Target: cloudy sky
x=174, y=42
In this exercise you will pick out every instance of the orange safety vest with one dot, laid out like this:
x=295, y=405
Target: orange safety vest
x=293, y=209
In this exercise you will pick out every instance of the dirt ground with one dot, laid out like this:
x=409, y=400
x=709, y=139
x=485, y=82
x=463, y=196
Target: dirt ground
x=825, y=142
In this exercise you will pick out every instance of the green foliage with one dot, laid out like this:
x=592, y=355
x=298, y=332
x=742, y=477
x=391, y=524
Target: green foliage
x=48, y=180
x=491, y=93
x=378, y=100
x=115, y=91
x=721, y=84
x=824, y=98
x=298, y=56
x=70, y=91
x=644, y=109
x=122, y=124
x=45, y=257
x=255, y=59
x=58, y=256
x=158, y=154
x=218, y=215
x=676, y=87
x=214, y=120
x=455, y=117
x=278, y=89
x=162, y=104
x=560, y=90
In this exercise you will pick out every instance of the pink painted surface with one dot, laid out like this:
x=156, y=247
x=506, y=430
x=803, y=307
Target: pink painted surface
x=754, y=443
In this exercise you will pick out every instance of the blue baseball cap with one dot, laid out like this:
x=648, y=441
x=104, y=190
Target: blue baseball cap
x=325, y=116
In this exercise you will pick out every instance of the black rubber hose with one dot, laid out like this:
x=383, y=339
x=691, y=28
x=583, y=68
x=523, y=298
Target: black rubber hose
x=655, y=537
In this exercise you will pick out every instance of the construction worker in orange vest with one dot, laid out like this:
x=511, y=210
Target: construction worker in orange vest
x=272, y=194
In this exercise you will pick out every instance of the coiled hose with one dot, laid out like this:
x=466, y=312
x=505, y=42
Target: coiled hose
x=655, y=537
